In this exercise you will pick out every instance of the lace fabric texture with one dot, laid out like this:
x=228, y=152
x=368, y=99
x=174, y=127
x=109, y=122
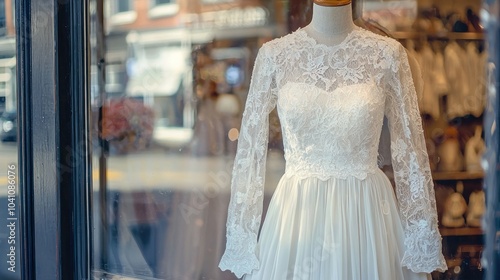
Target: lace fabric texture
x=333, y=102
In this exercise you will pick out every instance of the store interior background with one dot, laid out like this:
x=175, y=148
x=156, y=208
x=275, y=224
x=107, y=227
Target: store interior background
x=178, y=73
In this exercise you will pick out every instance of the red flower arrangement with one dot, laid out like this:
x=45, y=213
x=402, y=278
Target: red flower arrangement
x=127, y=124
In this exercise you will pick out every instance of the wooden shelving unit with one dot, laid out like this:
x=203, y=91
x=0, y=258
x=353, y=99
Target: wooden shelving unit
x=463, y=231
x=402, y=35
x=447, y=176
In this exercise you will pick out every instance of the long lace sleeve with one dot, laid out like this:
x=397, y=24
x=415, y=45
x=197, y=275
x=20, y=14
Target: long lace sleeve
x=414, y=185
x=247, y=184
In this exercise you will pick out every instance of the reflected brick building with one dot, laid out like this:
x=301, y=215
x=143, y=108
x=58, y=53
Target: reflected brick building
x=7, y=56
x=151, y=48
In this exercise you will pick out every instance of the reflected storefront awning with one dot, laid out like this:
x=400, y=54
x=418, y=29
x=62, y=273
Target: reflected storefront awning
x=158, y=62
x=161, y=57
x=154, y=81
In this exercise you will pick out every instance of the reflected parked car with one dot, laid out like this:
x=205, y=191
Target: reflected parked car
x=8, y=126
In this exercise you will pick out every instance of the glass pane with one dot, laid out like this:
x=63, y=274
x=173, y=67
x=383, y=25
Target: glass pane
x=9, y=172
x=2, y=14
x=161, y=2
x=165, y=127
x=491, y=256
x=123, y=6
x=168, y=110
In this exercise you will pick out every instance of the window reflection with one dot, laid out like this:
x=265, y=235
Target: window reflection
x=9, y=169
x=166, y=123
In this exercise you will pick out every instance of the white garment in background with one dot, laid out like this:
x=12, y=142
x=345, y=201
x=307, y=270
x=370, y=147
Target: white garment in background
x=475, y=101
x=334, y=214
x=418, y=57
x=458, y=81
x=429, y=103
x=440, y=83
x=482, y=65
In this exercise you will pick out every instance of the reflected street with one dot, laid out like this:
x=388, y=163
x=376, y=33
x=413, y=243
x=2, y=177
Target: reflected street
x=155, y=169
x=155, y=197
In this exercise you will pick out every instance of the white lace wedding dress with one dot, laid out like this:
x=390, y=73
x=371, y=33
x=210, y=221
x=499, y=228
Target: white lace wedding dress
x=334, y=214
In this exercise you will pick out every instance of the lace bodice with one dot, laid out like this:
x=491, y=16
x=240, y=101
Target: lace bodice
x=333, y=133
x=332, y=101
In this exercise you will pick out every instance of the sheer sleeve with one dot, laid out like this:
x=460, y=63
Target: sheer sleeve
x=384, y=156
x=247, y=184
x=412, y=175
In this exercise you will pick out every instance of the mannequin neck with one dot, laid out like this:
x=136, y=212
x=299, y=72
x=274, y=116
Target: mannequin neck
x=330, y=25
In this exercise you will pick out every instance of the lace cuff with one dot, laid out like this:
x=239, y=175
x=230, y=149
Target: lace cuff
x=240, y=257
x=421, y=241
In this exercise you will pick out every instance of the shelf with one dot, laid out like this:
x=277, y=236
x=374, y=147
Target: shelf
x=438, y=36
x=463, y=231
x=463, y=175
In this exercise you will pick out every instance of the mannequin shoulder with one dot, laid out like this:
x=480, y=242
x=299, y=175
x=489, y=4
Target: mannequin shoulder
x=386, y=49
x=381, y=42
x=278, y=46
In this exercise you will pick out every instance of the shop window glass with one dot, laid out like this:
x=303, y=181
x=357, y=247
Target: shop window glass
x=163, y=2
x=163, y=8
x=123, y=6
x=168, y=137
x=167, y=118
x=120, y=12
x=9, y=168
x=2, y=17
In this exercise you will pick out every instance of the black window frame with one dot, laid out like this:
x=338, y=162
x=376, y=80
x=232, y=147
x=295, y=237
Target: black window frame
x=54, y=147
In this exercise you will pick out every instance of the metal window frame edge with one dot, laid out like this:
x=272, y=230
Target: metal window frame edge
x=54, y=143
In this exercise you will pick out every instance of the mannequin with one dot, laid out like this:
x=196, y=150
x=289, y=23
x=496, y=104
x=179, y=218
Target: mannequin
x=474, y=150
x=325, y=30
x=476, y=209
x=454, y=208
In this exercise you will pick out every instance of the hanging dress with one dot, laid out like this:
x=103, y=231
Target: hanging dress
x=334, y=214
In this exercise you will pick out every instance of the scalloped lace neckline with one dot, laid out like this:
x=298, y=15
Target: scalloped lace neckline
x=315, y=43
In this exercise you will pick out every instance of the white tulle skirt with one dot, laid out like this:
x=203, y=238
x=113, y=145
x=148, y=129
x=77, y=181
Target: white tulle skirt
x=338, y=229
